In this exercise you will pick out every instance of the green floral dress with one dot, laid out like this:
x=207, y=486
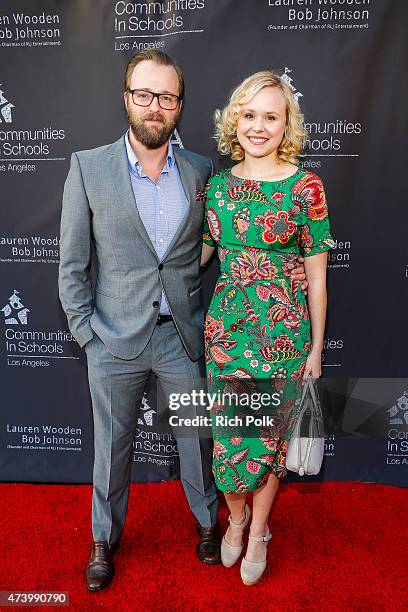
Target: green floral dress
x=257, y=326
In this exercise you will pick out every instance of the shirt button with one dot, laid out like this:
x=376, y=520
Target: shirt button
x=158, y=186
x=161, y=240
x=156, y=304
x=161, y=212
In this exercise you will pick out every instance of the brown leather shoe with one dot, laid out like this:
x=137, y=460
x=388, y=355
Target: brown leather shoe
x=208, y=548
x=100, y=569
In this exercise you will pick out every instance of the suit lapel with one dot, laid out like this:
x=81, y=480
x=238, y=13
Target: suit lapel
x=188, y=180
x=119, y=166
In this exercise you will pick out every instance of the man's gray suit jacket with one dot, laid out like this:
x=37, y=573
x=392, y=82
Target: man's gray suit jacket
x=99, y=207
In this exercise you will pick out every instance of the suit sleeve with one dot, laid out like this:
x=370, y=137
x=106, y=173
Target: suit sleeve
x=75, y=288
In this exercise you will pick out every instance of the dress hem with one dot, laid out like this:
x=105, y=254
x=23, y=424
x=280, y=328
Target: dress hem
x=252, y=489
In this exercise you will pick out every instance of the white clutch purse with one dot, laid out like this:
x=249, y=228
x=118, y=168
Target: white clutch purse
x=305, y=453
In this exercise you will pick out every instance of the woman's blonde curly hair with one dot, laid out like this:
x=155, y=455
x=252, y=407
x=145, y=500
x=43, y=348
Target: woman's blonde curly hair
x=227, y=119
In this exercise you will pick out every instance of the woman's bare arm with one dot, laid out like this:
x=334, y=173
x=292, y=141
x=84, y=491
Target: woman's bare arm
x=315, y=268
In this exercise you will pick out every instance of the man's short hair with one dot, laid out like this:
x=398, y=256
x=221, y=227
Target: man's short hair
x=160, y=58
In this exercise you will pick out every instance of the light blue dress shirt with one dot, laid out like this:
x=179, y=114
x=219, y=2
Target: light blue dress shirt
x=161, y=204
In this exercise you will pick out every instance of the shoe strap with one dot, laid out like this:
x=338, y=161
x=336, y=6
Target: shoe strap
x=231, y=522
x=264, y=538
x=242, y=522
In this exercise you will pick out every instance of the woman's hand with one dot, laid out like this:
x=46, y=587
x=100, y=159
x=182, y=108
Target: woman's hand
x=313, y=366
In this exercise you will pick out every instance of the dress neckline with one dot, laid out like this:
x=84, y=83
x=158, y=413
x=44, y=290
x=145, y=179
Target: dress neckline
x=240, y=178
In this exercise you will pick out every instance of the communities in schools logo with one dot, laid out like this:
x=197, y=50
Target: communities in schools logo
x=15, y=313
x=325, y=138
x=25, y=143
x=176, y=140
x=5, y=108
x=147, y=412
x=25, y=346
x=147, y=25
x=399, y=411
x=397, y=441
x=289, y=81
x=151, y=446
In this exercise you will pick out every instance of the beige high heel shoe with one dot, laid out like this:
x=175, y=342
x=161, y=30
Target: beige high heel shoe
x=231, y=554
x=251, y=571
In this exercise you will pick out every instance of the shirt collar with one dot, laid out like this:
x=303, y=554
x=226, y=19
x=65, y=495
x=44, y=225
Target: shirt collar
x=136, y=166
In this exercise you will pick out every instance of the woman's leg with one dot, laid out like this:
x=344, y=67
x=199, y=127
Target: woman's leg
x=236, y=505
x=262, y=503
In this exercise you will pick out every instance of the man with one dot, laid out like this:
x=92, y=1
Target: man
x=135, y=201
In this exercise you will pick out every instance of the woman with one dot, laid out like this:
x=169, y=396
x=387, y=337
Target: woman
x=261, y=214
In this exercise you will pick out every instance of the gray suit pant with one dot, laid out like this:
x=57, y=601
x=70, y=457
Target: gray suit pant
x=117, y=387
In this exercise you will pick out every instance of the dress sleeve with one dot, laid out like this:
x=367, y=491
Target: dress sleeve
x=314, y=234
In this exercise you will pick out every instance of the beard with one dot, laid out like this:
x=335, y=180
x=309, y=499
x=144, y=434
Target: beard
x=153, y=136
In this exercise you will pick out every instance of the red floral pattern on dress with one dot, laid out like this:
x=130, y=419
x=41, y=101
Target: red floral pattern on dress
x=240, y=223
x=251, y=185
x=277, y=226
x=296, y=374
x=283, y=343
x=308, y=194
x=218, y=449
x=270, y=441
x=305, y=238
x=278, y=195
x=252, y=264
x=248, y=191
x=214, y=224
x=214, y=336
x=288, y=316
x=201, y=194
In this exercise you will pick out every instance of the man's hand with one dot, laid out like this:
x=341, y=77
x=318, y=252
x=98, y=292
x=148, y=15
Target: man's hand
x=298, y=273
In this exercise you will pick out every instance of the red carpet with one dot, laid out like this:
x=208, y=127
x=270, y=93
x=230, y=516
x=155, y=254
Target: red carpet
x=336, y=546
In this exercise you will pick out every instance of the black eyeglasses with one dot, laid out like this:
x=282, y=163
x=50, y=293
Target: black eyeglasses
x=141, y=97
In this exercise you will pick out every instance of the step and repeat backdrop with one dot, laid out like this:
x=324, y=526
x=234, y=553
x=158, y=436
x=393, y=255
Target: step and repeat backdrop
x=61, y=83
